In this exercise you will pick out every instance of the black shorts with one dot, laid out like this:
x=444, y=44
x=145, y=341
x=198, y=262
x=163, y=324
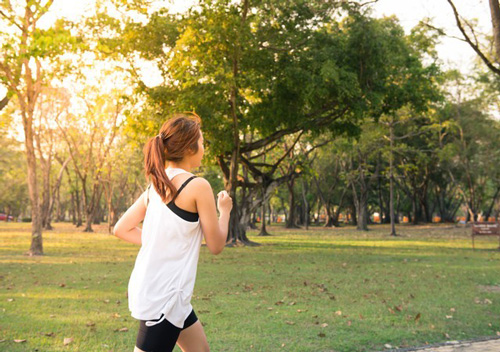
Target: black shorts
x=162, y=336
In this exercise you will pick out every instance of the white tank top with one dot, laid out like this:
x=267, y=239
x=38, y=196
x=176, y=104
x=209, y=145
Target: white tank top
x=162, y=281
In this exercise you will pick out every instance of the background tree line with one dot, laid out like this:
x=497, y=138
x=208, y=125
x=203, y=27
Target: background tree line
x=308, y=108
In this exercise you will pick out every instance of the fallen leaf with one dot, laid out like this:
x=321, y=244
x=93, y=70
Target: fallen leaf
x=324, y=325
x=391, y=310
x=449, y=316
x=452, y=309
x=67, y=341
x=339, y=312
x=321, y=334
x=90, y=323
x=349, y=323
x=19, y=340
x=387, y=345
x=291, y=303
x=50, y=334
x=417, y=317
x=10, y=299
x=62, y=285
x=123, y=330
x=398, y=308
x=446, y=335
x=290, y=322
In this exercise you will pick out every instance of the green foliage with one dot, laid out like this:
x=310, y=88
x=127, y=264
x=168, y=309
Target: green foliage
x=289, y=66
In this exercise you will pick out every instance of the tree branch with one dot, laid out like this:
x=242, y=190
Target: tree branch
x=488, y=63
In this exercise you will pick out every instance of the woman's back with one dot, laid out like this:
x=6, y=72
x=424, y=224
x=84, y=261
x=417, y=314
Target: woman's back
x=164, y=274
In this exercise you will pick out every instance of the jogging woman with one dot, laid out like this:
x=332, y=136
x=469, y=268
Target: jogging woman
x=178, y=209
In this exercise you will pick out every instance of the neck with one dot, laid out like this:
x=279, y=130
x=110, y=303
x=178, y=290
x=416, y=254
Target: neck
x=183, y=164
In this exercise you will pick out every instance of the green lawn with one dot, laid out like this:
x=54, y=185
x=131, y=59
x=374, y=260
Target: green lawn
x=321, y=290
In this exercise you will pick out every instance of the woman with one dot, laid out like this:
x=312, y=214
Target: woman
x=178, y=209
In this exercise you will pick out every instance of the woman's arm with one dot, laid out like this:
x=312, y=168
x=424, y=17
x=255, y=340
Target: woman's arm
x=126, y=228
x=214, y=229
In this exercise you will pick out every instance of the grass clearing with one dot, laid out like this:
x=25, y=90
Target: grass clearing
x=320, y=290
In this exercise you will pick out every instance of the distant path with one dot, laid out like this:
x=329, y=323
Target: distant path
x=491, y=345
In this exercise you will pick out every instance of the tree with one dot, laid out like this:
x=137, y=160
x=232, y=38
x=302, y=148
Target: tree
x=90, y=138
x=27, y=54
x=491, y=61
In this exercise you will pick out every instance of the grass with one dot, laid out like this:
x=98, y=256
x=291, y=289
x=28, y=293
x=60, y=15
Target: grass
x=317, y=290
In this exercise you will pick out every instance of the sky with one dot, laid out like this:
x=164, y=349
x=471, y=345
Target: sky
x=453, y=52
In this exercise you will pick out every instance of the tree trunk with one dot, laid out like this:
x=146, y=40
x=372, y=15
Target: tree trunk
x=495, y=20
x=291, y=221
x=36, y=247
x=263, y=231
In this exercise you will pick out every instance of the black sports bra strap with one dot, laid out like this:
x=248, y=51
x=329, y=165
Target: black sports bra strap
x=184, y=185
x=147, y=202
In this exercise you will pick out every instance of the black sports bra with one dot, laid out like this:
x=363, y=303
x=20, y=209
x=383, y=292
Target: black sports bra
x=184, y=214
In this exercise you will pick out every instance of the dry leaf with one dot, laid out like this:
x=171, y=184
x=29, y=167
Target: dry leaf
x=19, y=340
x=291, y=303
x=290, y=322
x=417, y=317
x=339, y=312
x=123, y=330
x=67, y=341
x=62, y=285
x=324, y=325
x=10, y=300
x=387, y=345
x=449, y=316
x=398, y=308
x=90, y=323
x=452, y=309
x=321, y=334
x=391, y=310
x=50, y=334
x=349, y=323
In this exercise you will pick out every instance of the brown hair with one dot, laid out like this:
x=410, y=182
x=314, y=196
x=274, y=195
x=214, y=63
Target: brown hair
x=177, y=136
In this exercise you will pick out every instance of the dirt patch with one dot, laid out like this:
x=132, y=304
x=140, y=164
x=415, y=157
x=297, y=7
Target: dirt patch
x=489, y=288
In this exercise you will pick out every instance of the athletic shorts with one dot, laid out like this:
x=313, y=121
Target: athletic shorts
x=162, y=336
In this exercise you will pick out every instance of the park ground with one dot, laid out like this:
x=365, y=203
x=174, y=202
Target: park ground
x=318, y=290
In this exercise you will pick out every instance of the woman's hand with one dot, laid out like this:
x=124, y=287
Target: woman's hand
x=224, y=202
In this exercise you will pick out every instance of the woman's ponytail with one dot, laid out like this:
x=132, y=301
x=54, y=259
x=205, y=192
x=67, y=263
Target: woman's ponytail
x=176, y=137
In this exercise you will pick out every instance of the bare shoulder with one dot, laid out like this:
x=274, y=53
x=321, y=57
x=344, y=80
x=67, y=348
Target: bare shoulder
x=201, y=183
